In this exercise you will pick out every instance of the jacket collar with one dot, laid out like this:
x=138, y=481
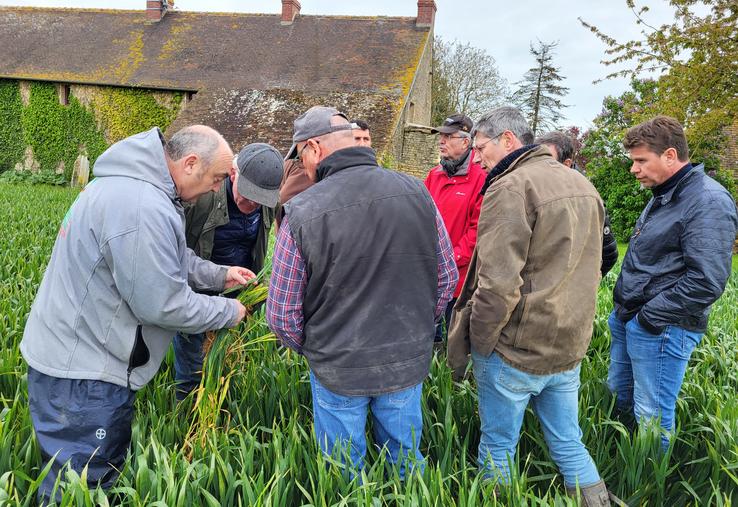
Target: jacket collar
x=345, y=158
x=509, y=163
x=461, y=165
x=668, y=196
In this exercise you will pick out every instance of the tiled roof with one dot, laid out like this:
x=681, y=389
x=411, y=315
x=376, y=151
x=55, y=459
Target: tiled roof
x=250, y=71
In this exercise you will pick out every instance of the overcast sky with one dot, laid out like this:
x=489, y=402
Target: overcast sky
x=504, y=29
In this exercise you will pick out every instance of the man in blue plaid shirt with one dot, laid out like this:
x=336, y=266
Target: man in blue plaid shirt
x=362, y=268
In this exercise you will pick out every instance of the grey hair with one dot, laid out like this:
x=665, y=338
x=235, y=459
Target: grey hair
x=504, y=118
x=564, y=144
x=197, y=139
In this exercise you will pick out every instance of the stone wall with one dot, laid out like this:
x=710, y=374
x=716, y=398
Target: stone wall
x=411, y=145
x=419, y=151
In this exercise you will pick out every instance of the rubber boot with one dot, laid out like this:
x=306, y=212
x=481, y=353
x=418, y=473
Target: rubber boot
x=595, y=495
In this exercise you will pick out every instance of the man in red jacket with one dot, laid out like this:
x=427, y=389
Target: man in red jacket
x=455, y=185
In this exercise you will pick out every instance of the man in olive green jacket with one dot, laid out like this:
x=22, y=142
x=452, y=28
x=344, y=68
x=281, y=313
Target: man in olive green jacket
x=230, y=224
x=526, y=309
x=210, y=212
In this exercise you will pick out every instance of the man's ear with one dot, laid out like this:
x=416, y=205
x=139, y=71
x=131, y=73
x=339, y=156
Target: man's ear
x=670, y=156
x=189, y=162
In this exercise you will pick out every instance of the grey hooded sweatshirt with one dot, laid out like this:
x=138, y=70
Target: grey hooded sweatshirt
x=120, y=280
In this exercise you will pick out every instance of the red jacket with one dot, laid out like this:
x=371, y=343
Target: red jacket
x=459, y=200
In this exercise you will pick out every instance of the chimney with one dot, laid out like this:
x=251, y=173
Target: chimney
x=426, y=13
x=290, y=10
x=155, y=9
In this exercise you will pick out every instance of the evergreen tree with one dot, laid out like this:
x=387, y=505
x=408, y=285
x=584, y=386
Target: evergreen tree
x=539, y=94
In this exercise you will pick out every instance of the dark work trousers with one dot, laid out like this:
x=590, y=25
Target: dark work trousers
x=188, y=358
x=445, y=322
x=83, y=422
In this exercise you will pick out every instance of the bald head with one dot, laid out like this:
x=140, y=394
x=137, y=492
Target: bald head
x=199, y=160
x=205, y=141
x=339, y=139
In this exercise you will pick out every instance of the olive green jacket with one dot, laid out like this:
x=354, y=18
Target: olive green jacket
x=531, y=289
x=211, y=211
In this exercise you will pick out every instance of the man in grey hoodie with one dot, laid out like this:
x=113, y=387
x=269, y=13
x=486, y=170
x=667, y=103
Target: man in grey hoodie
x=119, y=283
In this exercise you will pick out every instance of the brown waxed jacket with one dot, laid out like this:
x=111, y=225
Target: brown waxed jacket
x=531, y=288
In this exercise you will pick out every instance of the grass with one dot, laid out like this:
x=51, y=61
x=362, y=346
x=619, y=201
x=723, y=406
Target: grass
x=261, y=450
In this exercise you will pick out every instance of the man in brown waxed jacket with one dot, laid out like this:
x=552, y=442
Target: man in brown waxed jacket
x=526, y=309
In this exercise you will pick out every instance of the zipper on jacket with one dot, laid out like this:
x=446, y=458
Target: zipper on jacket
x=642, y=225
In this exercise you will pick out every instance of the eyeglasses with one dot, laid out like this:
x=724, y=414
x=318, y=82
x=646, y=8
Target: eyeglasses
x=299, y=154
x=447, y=136
x=480, y=147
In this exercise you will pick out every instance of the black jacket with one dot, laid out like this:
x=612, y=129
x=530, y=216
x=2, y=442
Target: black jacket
x=679, y=257
x=368, y=237
x=609, y=247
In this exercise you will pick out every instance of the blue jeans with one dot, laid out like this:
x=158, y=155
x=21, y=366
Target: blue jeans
x=504, y=394
x=646, y=370
x=188, y=359
x=397, y=419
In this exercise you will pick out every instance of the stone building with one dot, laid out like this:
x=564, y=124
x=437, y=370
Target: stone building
x=247, y=75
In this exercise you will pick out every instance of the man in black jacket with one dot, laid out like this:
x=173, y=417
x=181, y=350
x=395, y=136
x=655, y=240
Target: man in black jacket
x=677, y=264
x=562, y=148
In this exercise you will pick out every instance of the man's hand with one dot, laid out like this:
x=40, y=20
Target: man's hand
x=237, y=275
x=241, y=311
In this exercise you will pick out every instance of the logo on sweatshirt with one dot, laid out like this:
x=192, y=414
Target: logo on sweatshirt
x=100, y=433
x=64, y=227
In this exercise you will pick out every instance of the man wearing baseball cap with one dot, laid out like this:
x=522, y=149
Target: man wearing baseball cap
x=226, y=226
x=361, y=266
x=455, y=186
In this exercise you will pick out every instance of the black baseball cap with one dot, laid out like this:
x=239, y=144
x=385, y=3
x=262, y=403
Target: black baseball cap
x=453, y=124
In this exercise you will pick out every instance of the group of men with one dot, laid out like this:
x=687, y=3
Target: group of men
x=503, y=246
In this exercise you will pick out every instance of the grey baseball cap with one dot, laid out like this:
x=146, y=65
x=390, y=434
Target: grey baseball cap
x=259, y=173
x=315, y=122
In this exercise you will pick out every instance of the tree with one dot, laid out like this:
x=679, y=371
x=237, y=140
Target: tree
x=539, y=93
x=606, y=161
x=465, y=80
x=696, y=60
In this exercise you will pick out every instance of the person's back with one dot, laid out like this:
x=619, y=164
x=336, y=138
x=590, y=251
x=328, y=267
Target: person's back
x=368, y=239
x=362, y=267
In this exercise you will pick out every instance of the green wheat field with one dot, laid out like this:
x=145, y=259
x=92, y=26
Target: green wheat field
x=251, y=442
